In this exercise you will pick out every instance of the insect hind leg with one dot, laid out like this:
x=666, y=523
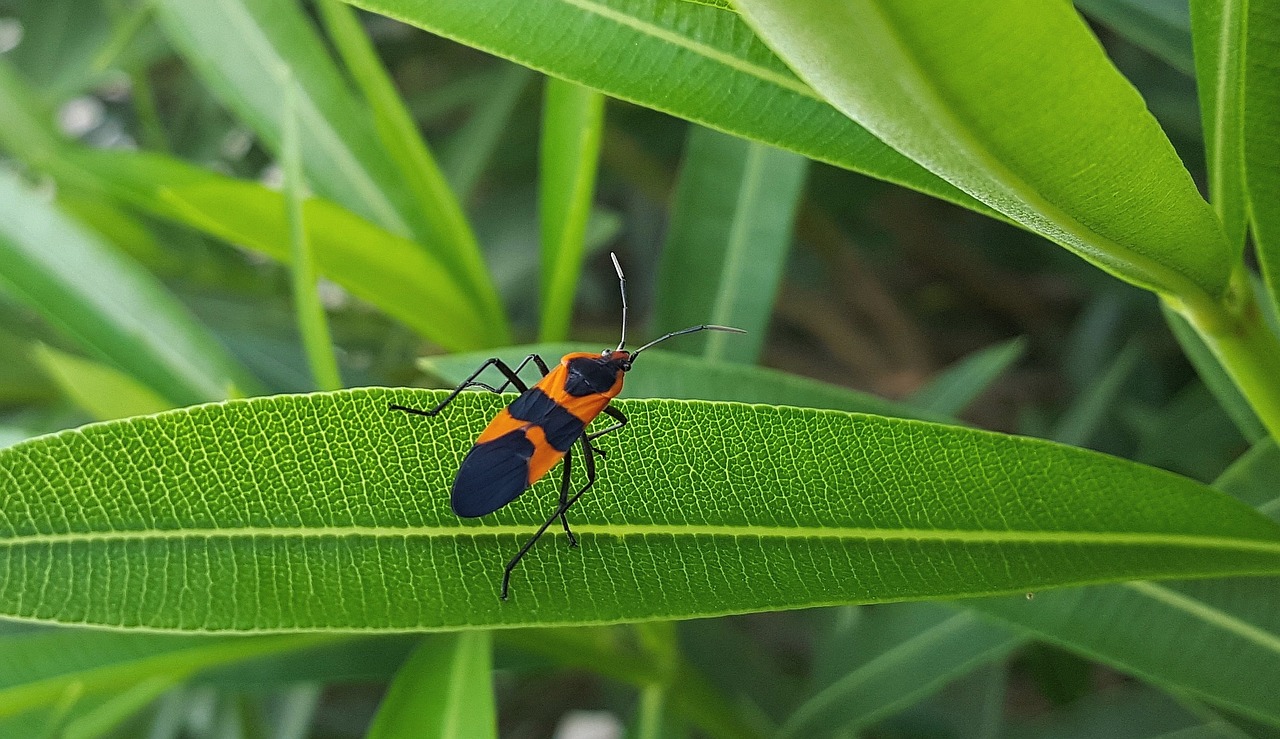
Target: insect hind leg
x=512, y=375
x=588, y=457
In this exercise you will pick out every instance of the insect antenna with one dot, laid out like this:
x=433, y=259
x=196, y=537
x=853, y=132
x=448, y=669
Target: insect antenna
x=683, y=331
x=622, y=285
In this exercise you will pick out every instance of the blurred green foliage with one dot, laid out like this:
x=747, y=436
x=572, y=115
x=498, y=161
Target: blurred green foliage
x=453, y=202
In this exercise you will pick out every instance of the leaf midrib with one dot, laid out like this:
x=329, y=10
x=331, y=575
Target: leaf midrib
x=1192, y=541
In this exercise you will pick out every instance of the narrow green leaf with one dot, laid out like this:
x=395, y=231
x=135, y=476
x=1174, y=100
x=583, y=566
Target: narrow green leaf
x=95, y=718
x=312, y=324
x=572, y=124
x=1217, y=639
x=444, y=690
x=669, y=375
x=1215, y=377
x=668, y=56
x=600, y=650
x=1162, y=27
x=1096, y=400
x=1060, y=143
x=466, y=154
x=375, y=265
x=108, y=304
x=237, y=46
x=448, y=236
x=687, y=507
x=895, y=665
x=40, y=666
x=1217, y=33
x=1261, y=112
x=101, y=391
x=730, y=233
x=957, y=386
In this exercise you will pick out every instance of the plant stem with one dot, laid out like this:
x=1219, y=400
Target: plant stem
x=1238, y=335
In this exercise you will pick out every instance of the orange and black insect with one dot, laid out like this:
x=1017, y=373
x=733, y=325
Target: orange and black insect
x=540, y=427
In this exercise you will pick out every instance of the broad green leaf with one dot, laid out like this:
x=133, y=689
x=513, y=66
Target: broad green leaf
x=1217, y=28
x=328, y=511
x=957, y=386
x=668, y=56
x=1216, y=639
x=375, y=265
x=450, y=238
x=103, y=392
x=1162, y=27
x=891, y=658
x=468, y=152
x=572, y=124
x=1059, y=142
x=1215, y=377
x=727, y=245
x=40, y=666
x=444, y=690
x=665, y=374
x=107, y=303
x=1261, y=132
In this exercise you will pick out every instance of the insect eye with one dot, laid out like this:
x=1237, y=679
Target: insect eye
x=605, y=353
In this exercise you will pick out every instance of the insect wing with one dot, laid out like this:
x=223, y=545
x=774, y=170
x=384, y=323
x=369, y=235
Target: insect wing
x=493, y=474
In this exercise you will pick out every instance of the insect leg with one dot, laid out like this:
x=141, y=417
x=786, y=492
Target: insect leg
x=512, y=379
x=565, y=483
x=616, y=415
x=542, y=367
x=588, y=455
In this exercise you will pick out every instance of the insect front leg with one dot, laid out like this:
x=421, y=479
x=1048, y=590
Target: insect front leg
x=616, y=415
x=588, y=457
x=512, y=375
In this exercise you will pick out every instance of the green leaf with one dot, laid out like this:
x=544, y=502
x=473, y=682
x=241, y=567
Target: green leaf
x=668, y=56
x=466, y=154
x=446, y=232
x=312, y=323
x=1261, y=105
x=1059, y=142
x=1162, y=27
x=101, y=391
x=957, y=386
x=107, y=303
x=668, y=375
x=891, y=658
x=730, y=232
x=40, y=666
x=1096, y=401
x=1217, y=28
x=375, y=265
x=239, y=48
x=1216, y=639
x=328, y=511
x=572, y=124
x=444, y=690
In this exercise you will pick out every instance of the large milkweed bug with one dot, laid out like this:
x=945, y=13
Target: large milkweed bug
x=527, y=438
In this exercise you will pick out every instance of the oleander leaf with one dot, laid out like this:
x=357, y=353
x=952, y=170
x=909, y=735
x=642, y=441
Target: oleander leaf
x=1023, y=111
x=695, y=61
x=330, y=512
